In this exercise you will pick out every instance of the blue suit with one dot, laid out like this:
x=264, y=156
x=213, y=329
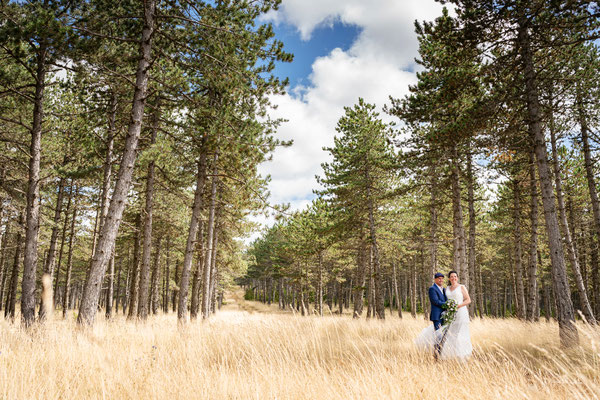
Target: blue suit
x=438, y=299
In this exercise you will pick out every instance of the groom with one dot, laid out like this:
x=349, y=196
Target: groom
x=437, y=298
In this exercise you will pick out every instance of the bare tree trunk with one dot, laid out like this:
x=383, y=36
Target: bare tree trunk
x=11, y=298
x=209, y=240
x=110, y=289
x=49, y=264
x=532, y=301
x=108, y=233
x=118, y=294
x=520, y=292
x=413, y=287
x=154, y=297
x=568, y=237
x=589, y=168
x=3, y=262
x=65, y=303
x=192, y=234
x=396, y=292
x=320, y=285
x=360, y=278
x=135, y=266
x=370, y=284
x=595, y=272
x=214, y=275
x=146, y=248
x=176, y=289
x=63, y=239
x=198, y=273
x=167, y=279
x=460, y=256
x=377, y=273
x=472, y=227
x=567, y=331
x=32, y=221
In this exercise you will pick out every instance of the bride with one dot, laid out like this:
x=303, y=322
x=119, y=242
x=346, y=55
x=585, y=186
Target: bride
x=457, y=344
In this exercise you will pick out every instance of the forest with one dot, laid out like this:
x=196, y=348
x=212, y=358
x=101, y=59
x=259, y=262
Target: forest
x=131, y=137
x=490, y=170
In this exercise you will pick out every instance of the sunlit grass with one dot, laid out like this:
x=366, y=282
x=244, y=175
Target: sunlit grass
x=251, y=351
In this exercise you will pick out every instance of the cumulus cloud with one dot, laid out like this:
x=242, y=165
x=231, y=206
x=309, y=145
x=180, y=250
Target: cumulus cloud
x=378, y=64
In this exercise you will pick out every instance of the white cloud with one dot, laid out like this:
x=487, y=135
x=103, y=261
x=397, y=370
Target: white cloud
x=378, y=64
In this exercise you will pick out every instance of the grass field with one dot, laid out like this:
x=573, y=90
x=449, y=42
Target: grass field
x=252, y=351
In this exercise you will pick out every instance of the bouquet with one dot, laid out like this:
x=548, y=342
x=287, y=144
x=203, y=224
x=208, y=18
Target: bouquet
x=448, y=316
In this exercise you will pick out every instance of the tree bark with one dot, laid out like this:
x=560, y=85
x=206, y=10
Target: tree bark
x=135, y=266
x=192, y=234
x=206, y=281
x=198, y=273
x=396, y=292
x=154, y=292
x=11, y=298
x=589, y=168
x=566, y=231
x=320, y=284
x=63, y=239
x=108, y=234
x=65, y=304
x=459, y=261
x=359, y=289
x=567, y=331
x=520, y=292
x=176, y=289
x=377, y=273
x=49, y=264
x=472, y=229
x=532, y=300
x=147, y=247
x=214, y=275
x=413, y=287
x=110, y=288
x=3, y=263
x=32, y=221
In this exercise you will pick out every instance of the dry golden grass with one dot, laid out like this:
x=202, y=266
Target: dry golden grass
x=251, y=351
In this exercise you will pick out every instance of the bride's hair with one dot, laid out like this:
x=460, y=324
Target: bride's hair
x=450, y=273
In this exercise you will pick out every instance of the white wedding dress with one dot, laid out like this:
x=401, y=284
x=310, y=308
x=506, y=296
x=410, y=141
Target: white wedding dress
x=458, y=339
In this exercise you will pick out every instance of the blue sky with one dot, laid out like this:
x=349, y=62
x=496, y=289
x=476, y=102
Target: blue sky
x=322, y=41
x=343, y=50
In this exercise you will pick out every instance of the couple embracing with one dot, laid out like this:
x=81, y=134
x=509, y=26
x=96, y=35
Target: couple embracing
x=448, y=339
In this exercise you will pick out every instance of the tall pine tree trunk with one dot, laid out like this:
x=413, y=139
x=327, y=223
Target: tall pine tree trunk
x=110, y=288
x=206, y=281
x=154, y=282
x=49, y=264
x=135, y=267
x=65, y=304
x=3, y=262
x=192, y=234
x=458, y=229
x=359, y=289
x=11, y=298
x=567, y=331
x=147, y=246
x=32, y=221
x=532, y=300
x=197, y=279
x=472, y=228
x=566, y=231
x=108, y=233
x=518, y=261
